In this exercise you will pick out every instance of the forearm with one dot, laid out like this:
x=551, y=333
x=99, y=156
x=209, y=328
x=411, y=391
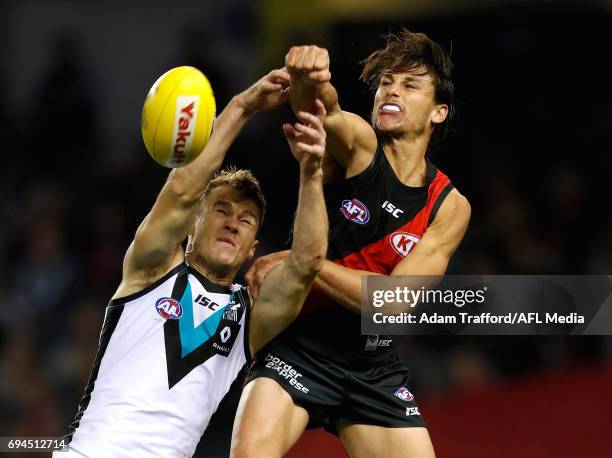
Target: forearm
x=191, y=181
x=303, y=95
x=310, y=231
x=342, y=284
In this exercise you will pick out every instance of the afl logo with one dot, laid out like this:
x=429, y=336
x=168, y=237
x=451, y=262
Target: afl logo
x=403, y=242
x=404, y=394
x=168, y=308
x=355, y=211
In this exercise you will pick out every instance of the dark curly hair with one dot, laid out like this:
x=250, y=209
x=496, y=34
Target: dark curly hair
x=409, y=51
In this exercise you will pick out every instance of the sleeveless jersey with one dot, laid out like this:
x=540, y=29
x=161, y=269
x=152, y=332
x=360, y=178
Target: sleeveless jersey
x=375, y=221
x=167, y=356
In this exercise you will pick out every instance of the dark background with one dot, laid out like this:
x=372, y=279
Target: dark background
x=530, y=150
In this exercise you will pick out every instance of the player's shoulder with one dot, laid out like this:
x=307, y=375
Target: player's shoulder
x=455, y=209
x=364, y=134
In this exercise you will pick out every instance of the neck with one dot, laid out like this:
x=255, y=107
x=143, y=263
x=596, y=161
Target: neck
x=407, y=158
x=221, y=276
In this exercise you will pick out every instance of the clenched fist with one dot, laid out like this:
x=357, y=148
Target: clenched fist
x=308, y=64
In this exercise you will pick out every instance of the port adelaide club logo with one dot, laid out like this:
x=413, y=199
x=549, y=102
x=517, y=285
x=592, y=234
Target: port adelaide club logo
x=354, y=210
x=168, y=308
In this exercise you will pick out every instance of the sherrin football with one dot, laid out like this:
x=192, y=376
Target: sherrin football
x=178, y=116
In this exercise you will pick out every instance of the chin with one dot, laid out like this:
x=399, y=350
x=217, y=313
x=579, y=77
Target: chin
x=392, y=131
x=225, y=261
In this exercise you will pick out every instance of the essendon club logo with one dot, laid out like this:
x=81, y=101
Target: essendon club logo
x=403, y=242
x=354, y=210
x=184, y=126
x=168, y=308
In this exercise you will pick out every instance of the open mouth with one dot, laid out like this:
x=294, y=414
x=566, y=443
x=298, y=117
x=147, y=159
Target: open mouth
x=390, y=108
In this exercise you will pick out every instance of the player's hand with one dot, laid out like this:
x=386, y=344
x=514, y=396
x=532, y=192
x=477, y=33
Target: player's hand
x=307, y=138
x=269, y=92
x=256, y=274
x=308, y=64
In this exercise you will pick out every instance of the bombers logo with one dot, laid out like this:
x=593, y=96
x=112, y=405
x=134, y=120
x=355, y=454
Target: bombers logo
x=168, y=308
x=403, y=242
x=404, y=394
x=354, y=210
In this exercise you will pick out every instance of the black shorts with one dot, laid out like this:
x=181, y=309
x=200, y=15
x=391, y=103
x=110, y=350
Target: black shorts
x=333, y=393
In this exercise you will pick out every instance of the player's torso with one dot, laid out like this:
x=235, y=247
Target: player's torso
x=375, y=222
x=167, y=357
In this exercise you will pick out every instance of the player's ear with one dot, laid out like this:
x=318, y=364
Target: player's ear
x=253, y=248
x=439, y=114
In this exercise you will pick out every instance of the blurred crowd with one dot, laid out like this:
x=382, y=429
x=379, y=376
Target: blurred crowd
x=531, y=151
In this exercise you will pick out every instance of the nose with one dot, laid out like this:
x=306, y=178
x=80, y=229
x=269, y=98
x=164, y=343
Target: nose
x=231, y=224
x=393, y=89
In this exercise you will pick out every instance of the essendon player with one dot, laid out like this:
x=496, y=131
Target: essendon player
x=391, y=212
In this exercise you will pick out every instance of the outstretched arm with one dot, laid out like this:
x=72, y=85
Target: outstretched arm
x=285, y=288
x=351, y=141
x=157, y=244
x=428, y=260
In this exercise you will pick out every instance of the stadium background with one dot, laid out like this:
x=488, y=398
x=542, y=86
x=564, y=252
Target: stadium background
x=531, y=150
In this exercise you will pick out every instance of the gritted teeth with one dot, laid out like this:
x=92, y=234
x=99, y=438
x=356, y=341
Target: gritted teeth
x=390, y=107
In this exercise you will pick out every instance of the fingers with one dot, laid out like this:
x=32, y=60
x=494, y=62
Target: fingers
x=316, y=150
x=254, y=278
x=249, y=277
x=312, y=120
x=321, y=60
x=290, y=132
x=311, y=62
x=320, y=111
x=320, y=76
x=271, y=87
x=279, y=76
x=309, y=134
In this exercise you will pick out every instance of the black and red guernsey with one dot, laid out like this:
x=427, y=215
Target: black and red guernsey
x=375, y=221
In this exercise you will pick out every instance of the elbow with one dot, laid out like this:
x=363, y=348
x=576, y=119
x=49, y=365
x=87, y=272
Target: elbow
x=312, y=265
x=307, y=265
x=184, y=193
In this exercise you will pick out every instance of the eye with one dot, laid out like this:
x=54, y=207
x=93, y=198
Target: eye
x=222, y=211
x=385, y=82
x=246, y=221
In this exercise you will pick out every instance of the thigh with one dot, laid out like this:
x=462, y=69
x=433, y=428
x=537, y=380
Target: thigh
x=368, y=441
x=267, y=423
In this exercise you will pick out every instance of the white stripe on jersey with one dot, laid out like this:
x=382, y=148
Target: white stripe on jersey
x=160, y=380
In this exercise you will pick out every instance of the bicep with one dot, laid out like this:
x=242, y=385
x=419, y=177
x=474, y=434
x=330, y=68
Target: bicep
x=161, y=233
x=279, y=302
x=350, y=139
x=433, y=252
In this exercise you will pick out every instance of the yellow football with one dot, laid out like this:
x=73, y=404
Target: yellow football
x=178, y=116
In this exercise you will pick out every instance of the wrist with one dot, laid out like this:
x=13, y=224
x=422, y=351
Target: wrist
x=243, y=109
x=311, y=170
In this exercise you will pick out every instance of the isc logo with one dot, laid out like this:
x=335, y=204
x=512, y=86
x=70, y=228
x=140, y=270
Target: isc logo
x=403, y=242
x=354, y=210
x=168, y=308
x=388, y=206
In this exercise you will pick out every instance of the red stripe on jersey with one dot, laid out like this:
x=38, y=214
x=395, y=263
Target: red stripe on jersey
x=383, y=255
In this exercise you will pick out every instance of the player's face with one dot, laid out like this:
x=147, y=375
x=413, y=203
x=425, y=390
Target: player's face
x=225, y=233
x=404, y=104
